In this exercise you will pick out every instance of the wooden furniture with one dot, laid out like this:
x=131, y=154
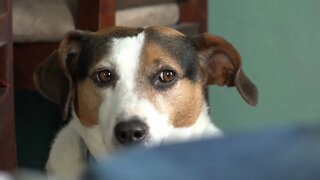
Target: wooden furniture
x=103, y=13
x=7, y=128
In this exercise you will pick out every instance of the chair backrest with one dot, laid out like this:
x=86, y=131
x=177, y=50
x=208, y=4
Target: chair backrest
x=7, y=133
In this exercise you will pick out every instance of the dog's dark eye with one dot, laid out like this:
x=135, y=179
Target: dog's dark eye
x=104, y=77
x=167, y=76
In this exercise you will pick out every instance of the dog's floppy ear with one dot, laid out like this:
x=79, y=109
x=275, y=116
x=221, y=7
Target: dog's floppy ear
x=53, y=77
x=221, y=64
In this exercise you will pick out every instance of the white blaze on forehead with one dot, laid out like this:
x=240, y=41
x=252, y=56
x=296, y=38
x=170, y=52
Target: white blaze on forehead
x=125, y=56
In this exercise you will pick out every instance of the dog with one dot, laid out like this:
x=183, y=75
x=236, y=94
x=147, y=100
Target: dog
x=125, y=86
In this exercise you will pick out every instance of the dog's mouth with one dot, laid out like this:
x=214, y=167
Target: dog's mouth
x=148, y=142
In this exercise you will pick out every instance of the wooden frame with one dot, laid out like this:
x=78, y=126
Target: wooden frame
x=194, y=11
x=8, y=159
x=102, y=14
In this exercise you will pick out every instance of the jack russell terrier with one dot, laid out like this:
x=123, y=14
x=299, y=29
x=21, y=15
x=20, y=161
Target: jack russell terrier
x=123, y=86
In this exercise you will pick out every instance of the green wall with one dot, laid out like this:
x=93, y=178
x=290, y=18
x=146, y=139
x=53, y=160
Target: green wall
x=279, y=41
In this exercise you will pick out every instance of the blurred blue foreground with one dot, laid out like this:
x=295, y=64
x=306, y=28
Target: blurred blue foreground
x=291, y=153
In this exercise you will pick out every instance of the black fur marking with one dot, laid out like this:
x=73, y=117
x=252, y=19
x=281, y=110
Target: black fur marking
x=95, y=45
x=180, y=48
x=92, y=50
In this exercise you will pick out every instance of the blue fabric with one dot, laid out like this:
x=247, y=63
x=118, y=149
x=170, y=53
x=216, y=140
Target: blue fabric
x=292, y=153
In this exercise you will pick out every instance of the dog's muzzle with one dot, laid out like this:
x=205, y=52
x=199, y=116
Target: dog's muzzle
x=132, y=131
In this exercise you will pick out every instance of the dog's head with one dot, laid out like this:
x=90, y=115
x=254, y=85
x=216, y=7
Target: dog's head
x=139, y=84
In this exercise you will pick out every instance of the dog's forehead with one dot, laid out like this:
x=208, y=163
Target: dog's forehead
x=166, y=31
x=118, y=32
x=176, y=44
x=166, y=37
x=100, y=43
x=169, y=41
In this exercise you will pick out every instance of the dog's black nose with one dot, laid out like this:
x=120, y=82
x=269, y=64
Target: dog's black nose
x=130, y=132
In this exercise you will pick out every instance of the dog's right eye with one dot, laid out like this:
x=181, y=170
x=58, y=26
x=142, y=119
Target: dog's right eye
x=104, y=77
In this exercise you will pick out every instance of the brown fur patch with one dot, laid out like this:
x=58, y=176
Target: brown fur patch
x=165, y=30
x=89, y=101
x=183, y=102
x=153, y=58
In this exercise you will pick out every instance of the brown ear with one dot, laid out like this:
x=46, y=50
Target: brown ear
x=221, y=64
x=53, y=77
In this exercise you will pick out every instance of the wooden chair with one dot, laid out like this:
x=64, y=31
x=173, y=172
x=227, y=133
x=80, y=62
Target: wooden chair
x=7, y=130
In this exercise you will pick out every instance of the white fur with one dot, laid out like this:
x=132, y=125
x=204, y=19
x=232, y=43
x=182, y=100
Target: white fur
x=124, y=56
x=67, y=156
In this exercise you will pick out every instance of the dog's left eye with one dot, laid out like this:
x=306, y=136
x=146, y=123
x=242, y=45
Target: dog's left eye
x=167, y=76
x=104, y=77
x=165, y=79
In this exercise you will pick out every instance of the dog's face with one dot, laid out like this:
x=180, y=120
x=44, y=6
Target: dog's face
x=139, y=85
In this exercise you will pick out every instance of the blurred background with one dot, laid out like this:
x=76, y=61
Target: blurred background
x=279, y=42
